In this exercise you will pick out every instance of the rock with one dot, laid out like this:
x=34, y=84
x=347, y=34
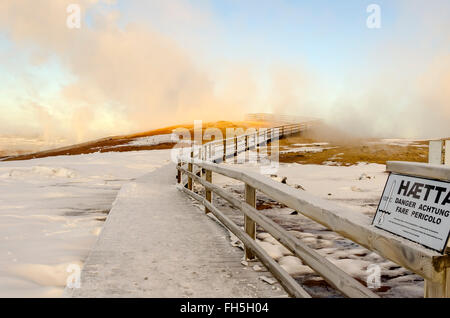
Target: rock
x=294, y=266
x=273, y=250
x=258, y=268
x=237, y=243
x=271, y=240
x=267, y=280
x=263, y=235
x=364, y=176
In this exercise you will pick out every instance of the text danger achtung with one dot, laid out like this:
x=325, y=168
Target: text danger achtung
x=424, y=192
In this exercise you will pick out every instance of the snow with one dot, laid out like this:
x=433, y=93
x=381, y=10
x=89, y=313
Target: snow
x=400, y=142
x=306, y=148
x=359, y=188
x=318, y=144
x=149, y=141
x=303, y=150
x=52, y=211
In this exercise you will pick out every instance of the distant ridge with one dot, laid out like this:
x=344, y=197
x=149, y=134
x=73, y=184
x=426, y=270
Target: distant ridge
x=119, y=143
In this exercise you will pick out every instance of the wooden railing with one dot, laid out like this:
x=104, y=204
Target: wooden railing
x=218, y=150
x=431, y=265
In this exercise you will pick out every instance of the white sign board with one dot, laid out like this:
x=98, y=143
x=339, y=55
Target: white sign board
x=417, y=209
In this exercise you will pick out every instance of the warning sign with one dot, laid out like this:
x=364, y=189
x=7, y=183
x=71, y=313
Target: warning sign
x=417, y=209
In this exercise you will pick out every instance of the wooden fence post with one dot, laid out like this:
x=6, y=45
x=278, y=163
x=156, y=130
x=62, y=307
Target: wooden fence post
x=435, y=152
x=190, y=170
x=208, y=193
x=249, y=224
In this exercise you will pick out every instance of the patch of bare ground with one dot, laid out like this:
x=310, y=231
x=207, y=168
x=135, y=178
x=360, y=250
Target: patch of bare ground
x=120, y=143
x=345, y=150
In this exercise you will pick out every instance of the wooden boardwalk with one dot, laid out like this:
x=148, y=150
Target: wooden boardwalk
x=156, y=243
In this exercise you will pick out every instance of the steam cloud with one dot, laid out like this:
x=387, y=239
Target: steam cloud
x=127, y=78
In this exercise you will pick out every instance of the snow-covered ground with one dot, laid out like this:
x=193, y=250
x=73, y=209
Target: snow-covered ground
x=401, y=142
x=358, y=186
x=149, y=141
x=306, y=148
x=52, y=210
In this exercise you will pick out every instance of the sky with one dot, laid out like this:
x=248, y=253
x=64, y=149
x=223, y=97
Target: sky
x=136, y=65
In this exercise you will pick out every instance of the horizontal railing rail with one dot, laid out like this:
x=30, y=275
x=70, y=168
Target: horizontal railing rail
x=331, y=273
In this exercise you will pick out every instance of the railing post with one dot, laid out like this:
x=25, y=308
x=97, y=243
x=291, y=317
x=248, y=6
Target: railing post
x=249, y=224
x=435, y=152
x=208, y=193
x=246, y=143
x=447, y=282
x=224, y=150
x=179, y=175
x=438, y=289
x=235, y=146
x=190, y=170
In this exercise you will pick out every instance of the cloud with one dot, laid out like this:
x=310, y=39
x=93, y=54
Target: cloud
x=125, y=74
x=139, y=76
x=404, y=89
